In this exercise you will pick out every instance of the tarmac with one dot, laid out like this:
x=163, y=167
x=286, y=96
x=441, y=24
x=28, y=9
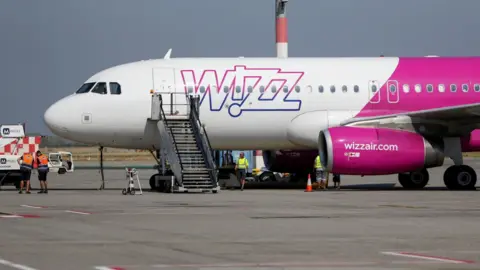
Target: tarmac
x=76, y=226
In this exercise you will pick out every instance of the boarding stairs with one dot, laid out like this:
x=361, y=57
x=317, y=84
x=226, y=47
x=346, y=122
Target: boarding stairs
x=186, y=146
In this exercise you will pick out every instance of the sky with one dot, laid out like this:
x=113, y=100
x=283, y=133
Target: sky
x=48, y=48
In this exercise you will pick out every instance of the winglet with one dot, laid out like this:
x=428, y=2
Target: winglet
x=167, y=55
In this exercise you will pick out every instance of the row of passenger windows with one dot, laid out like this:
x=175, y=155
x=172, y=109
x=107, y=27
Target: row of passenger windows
x=430, y=88
x=373, y=87
x=100, y=88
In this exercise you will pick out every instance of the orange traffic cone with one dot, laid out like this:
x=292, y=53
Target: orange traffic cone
x=309, y=184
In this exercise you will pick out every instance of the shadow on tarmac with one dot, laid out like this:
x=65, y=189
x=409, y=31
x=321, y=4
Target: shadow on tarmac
x=275, y=186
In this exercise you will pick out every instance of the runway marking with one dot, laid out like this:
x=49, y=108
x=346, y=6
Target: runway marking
x=32, y=206
x=426, y=257
x=267, y=264
x=109, y=268
x=77, y=212
x=7, y=215
x=15, y=265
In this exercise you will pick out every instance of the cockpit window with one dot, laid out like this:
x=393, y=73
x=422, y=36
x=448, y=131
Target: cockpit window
x=85, y=88
x=115, y=88
x=100, y=88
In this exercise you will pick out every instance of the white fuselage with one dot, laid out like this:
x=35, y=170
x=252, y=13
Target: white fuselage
x=273, y=122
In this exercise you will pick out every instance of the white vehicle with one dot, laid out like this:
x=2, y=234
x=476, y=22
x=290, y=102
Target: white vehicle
x=13, y=143
x=61, y=162
x=364, y=116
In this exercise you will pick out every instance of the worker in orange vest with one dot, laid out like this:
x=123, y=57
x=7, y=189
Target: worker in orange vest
x=26, y=166
x=42, y=167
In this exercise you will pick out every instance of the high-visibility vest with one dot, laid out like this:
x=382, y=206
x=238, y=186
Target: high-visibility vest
x=242, y=163
x=42, y=162
x=318, y=164
x=27, y=161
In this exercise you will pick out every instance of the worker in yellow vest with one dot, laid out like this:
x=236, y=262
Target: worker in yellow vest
x=320, y=173
x=241, y=167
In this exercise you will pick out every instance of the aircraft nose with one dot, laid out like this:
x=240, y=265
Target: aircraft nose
x=55, y=117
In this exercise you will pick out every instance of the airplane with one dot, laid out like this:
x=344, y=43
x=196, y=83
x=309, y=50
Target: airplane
x=362, y=115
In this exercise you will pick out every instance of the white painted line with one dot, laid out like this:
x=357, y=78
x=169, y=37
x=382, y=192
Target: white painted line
x=108, y=268
x=77, y=212
x=425, y=257
x=16, y=266
x=31, y=206
x=10, y=216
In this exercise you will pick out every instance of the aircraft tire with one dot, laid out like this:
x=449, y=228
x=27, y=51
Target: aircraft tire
x=414, y=180
x=460, y=177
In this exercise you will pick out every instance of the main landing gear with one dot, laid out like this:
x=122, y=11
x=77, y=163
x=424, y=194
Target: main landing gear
x=414, y=180
x=460, y=177
x=456, y=177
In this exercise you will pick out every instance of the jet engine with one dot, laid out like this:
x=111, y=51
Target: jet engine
x=286, y=161
x=376, y=151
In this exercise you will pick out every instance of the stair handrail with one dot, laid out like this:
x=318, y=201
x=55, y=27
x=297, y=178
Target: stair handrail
x=206, y=146
x=171, y=130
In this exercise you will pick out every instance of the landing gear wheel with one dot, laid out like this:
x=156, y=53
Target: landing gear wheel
x=267, y=177
x=414, y=180
x=152, y=182
x=460, y=177
x=132, y=191
x=124, y=191
x=167, y=187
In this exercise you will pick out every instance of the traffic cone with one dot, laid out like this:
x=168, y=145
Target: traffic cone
x=309, y=184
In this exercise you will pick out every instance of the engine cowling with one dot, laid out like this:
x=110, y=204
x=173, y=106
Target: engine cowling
x=284, y=161
x=471, y=143
x=376, y=151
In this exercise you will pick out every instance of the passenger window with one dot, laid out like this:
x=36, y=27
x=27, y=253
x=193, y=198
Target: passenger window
x=374, y=88
x=238, y=89
x=297, y=89
x=418, y=88
x=309, y=88
x=406, y=88
x=190, y=89
x=202, y=89
x=393, y=88
x=332, y=88
x=453, y=88
x=262, y=89
x=250, y=89
x=356, y=89
x=115, y=88
x=285, y=89
x=85, y=88
x=274, y=89
x=226, y=89
x=465, y=87
x=100, y=88
x=477, y=87
x=344, y=89
x=441, y=88
x=429, y=88
x=320, y=89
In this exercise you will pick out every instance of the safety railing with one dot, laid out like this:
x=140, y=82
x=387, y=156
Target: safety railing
x=202, y=137
x=168, y=142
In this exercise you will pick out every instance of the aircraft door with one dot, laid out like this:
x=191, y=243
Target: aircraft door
x=393, y=94
x=164, y=83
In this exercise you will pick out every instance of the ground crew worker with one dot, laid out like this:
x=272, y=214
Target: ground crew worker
x=336, y=181
x=320, y=173
x=26, y=166
x=42, y=165
x=241, y=167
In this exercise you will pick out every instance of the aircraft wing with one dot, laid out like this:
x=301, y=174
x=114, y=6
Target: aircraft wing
x=440, y=122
